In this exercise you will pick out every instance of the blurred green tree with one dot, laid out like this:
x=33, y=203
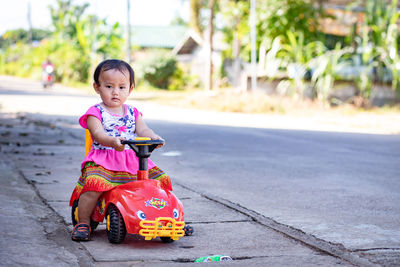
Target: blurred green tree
x=274, y=18
x=21, y=35
x=159, y=69
x=78, y=42
x=65, y=15
x=195, y=20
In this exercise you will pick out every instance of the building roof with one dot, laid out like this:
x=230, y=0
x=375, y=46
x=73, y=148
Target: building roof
x=157, y=36
x=187, y=43
x=191, y=40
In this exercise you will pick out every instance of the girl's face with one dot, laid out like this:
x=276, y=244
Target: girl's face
x=114, y=88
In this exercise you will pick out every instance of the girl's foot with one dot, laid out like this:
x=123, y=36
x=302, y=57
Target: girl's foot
x=81, y=232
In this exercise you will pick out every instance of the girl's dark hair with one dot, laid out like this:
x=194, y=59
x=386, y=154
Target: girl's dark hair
x=111, y=64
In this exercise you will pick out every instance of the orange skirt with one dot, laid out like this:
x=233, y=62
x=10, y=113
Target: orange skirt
x=96, y=178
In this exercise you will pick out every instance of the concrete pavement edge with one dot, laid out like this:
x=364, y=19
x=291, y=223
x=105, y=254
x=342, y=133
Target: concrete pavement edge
x=336, y=250
x=28, y=213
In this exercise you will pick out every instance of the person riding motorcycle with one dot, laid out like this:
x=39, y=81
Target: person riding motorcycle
x=48, y=73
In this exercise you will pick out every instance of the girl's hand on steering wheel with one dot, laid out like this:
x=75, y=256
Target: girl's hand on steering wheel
x=117, y=144
x=157, y=137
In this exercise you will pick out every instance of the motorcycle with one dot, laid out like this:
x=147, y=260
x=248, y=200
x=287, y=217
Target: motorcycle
x=48, y=76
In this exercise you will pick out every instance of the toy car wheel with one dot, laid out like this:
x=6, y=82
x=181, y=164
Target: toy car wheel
x=74, y=216
x=188, y=230
x=166, y=239
x=116, y=230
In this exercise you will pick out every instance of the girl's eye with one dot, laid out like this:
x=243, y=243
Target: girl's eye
x=122, y=87
x=108, y=86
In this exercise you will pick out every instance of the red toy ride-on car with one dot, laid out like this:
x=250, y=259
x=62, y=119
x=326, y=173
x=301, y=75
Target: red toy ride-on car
x=140, y=207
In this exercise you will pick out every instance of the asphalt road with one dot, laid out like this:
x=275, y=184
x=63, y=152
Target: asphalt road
x=340, y=187
x=322, y=188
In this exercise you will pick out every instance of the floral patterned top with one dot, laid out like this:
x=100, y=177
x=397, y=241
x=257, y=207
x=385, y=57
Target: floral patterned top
x=117, y=126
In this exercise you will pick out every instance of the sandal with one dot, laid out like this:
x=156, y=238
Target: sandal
x=81, y=232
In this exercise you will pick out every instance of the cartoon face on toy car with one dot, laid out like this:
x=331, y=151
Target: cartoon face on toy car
x=146, y=202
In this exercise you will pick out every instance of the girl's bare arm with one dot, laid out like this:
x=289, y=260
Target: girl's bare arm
x=98, y=134
x=143, y=130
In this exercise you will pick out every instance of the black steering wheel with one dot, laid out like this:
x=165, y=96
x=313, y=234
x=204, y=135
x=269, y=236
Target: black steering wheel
x=143, y=146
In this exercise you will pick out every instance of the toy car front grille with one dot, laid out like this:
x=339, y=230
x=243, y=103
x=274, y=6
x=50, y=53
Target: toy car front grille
x=162, y=227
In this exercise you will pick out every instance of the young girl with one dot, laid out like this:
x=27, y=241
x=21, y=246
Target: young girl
x=110, y=163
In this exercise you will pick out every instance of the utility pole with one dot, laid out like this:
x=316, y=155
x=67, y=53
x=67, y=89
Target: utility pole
x=209, y=65
x=128, y=32
x=94, y=43
x=253, y=45
x=30, y=37
x=236, y=54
